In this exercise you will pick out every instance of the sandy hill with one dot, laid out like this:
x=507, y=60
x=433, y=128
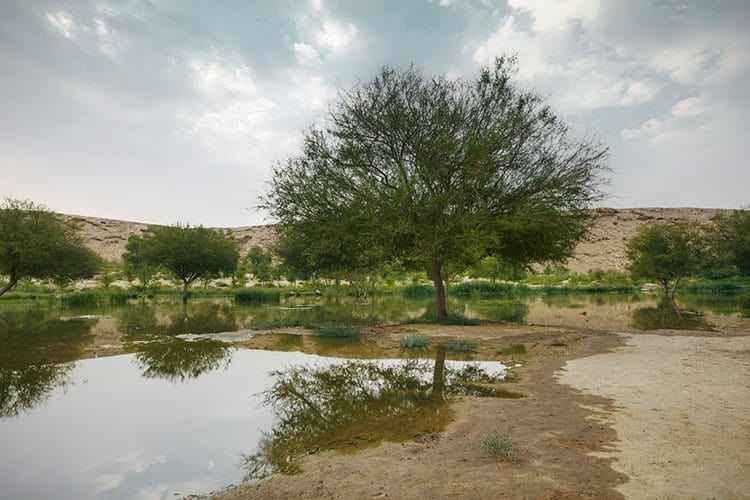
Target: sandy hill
x=603, y=249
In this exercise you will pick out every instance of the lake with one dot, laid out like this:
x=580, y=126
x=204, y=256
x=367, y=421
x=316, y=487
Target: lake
x=145, y=401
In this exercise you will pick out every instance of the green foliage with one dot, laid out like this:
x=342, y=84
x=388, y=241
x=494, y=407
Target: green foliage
x=36, y=243
x=435, y=172
x=484, y=289
x=188, y=253
x=731, y=238
x=79, y=299
x=496, y=268
x=338, y=331
x=278, y=323
x=257, y=295
x=460, y=346
x=415, y=291
x=413, y=341
x=498, y=445
x=260, y=264
x=666, y=251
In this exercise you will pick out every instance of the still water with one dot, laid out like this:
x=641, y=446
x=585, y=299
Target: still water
x=183, y=412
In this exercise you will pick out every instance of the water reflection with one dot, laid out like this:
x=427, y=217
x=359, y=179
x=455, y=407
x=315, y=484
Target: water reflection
x=354, y=404
x=37, y=351
x=668, y=315
x=162, y=353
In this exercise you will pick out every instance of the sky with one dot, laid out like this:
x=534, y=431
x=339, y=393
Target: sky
x=167, y=111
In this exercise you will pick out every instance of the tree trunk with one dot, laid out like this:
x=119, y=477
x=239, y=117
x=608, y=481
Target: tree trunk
x=441, y=309
x=438, y=375
x=674, y=288
x=666, y=287
x=185, y=285
x=13, y=282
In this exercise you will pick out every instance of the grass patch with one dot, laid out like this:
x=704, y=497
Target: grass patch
x=460, y=346
x=452, y=318
x=278, y=323
x=79, y=299
x=338, y=331
x=498, y=445
x=413, y=341
x=514, y=350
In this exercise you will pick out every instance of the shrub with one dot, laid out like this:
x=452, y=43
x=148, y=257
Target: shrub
x=413, y=341
x=337, y=331
x=498, y=445
x=256, y=295
x=483, y=289
x=453, y=318
x=460, y=346
x=78, y=299
x=416, y=290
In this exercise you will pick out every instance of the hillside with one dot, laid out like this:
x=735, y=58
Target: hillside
x=604, y=248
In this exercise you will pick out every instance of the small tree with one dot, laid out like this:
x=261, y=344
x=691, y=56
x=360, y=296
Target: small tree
x=666, y=252
x=731, y=241
x=37, y=243
x=261, y=264
x=188, y=253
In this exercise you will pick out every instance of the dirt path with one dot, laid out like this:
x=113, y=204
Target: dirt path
x=682, y=417
x=606, y=415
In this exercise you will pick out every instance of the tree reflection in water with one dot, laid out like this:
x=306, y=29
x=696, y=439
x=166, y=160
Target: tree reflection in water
x=161, y=354
x=37, y=351
x=354, y=404
x=668, y=315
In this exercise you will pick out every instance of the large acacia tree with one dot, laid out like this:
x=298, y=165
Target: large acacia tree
x=37, y=243
x=188, y=253
x=436, y=172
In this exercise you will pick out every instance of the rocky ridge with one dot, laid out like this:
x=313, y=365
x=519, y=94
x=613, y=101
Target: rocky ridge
x=603, y=249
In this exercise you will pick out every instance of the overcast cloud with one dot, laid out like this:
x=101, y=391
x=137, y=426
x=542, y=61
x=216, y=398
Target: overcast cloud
x=164, y=111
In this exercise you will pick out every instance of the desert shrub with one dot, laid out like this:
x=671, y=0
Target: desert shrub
x=460, y=346
x=337, y=331
x=498, y=445
x=413, y=341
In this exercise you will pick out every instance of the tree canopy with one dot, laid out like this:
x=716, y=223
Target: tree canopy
x=37, y=243
x=731, y=241
x=434, y=172
x=666, y=252
x=188, y=253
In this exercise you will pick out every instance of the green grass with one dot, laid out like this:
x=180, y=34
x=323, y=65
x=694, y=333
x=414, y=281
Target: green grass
x=416, y=290
x=514, y=350
x=337, y=331
x=452, y=318
x=498, y=445
x=413, y=341
x=278, y=323
x=460, y=346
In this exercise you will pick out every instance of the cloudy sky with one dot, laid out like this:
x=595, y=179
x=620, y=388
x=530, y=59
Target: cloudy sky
x=167, y=111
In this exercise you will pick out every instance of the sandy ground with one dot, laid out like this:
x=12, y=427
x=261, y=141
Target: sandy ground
x=605, y=415
x=682, y=413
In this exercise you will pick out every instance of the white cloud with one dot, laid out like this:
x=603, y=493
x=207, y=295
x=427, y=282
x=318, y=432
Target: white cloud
x=306, y=54
x=559, y=14
x=62, y=22
x=650, y=129
x=692, y=106
x=335, y=36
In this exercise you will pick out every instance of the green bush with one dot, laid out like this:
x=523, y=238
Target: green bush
x=337, y=331
x=498, y=445
x=416, y=290
x=483, y=289
x=460, y=346
x=413, y=341
x=257, y=295
x=79, y=299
